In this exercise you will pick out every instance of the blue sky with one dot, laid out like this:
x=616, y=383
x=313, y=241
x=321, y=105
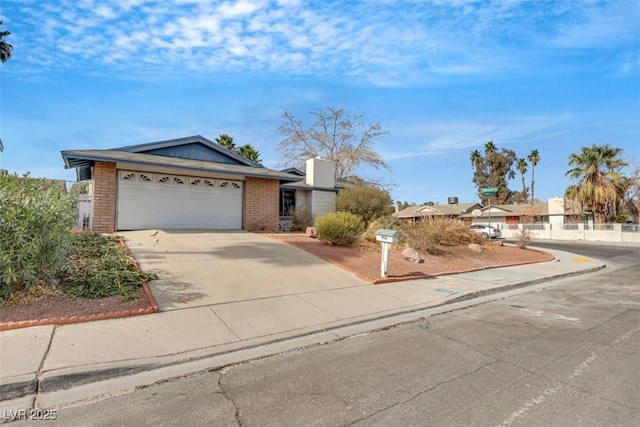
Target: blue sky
x=443, y=77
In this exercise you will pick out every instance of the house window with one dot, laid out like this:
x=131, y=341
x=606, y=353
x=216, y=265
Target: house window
x=287, y=202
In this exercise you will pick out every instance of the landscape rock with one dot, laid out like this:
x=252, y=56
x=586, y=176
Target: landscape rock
x=311, y=232
x=475, y=247
x=412, y=255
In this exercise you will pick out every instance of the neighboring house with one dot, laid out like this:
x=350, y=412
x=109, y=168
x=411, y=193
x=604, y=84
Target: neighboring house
x=314, y=191
x=185, y=183
x=504, y=216
x=452, y=210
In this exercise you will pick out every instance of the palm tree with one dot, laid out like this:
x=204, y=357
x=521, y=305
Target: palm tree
x=534, y=158
x=521, y=165
x=598, y=181
x=248, y=151
x=489, y=147
x=476, y=159
x=226, y=141
x=5, y=48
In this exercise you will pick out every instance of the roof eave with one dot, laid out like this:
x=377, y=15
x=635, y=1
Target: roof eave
x=73, y=159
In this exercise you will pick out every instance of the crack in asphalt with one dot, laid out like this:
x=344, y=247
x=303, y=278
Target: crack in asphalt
x=615, y=317
x=415, y=396
x=488, y=322
x=227, y=396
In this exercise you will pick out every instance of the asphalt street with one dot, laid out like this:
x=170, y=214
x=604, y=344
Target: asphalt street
x=561, y=354
x=588, y=249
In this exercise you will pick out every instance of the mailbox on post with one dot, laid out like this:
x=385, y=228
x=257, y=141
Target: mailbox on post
x=389, y=236
x=386, y=237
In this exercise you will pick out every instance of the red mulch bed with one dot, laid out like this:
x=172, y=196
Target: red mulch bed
x=365, y=261
x=58, y=308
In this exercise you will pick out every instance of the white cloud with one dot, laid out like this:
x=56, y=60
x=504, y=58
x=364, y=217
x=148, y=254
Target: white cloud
x=442, y=137
x=600, y=25
x=239, y=8
x=105, y=12
x=386, y=42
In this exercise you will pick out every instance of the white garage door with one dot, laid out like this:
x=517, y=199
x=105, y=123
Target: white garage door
x=149, y=200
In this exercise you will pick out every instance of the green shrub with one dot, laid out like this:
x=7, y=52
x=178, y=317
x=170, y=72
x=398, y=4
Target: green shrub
x=36, y=217
x=300, y=219
x=341, y=228
x=365, y=201
x=430, y=234
x=387, y=222
x=98, y=267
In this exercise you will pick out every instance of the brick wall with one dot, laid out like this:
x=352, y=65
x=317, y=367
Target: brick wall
x=104, y=198
x=262, y=204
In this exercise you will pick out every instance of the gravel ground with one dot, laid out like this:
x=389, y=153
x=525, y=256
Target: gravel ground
x=365, y=262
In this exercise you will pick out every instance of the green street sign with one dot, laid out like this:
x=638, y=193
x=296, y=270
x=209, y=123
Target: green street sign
x=489, y=191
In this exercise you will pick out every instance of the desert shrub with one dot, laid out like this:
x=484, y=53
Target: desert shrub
x=340, y=228
x=365, y=201
x=388, y=222
x=430, y=234
x=523, y=238
x=35, y=224
x=98, y=267
x=300, y=219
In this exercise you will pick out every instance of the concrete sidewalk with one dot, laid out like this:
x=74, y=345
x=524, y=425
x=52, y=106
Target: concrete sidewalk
x=52, y=366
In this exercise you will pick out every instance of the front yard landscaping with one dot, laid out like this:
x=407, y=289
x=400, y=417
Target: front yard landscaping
x=363, y=258
x=98, y=278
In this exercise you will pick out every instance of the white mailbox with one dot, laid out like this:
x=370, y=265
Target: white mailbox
x=386, y=237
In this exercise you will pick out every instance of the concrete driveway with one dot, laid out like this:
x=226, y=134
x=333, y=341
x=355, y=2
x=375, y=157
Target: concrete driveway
x=200, y=268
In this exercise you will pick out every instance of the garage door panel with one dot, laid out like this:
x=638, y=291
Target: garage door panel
x=177, y=202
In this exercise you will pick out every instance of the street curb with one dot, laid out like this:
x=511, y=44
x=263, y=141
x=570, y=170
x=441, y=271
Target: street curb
x=505, y=288
x=71, y=380
x=18, y=389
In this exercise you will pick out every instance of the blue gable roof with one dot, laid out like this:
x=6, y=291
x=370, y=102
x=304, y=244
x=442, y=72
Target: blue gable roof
x=192, y=148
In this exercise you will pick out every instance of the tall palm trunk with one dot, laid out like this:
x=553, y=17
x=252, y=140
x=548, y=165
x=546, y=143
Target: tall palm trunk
x=533, y=185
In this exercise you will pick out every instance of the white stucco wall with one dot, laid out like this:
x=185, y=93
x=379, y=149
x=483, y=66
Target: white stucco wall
x=320, y=173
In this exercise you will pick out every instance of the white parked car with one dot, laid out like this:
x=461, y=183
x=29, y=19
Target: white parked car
x=485, y=231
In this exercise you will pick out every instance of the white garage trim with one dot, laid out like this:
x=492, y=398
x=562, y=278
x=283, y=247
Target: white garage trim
x=148, y=200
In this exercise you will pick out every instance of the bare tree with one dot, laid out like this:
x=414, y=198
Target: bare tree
x=333, y=136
